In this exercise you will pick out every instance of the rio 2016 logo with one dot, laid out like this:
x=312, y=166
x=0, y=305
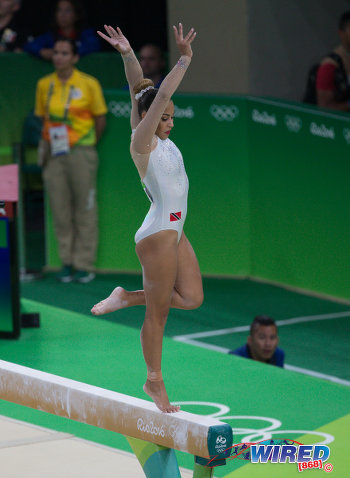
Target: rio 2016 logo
x=220, y=445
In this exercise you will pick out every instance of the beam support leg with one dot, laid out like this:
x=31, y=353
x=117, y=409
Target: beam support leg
x=157, y=461
x=200, y=471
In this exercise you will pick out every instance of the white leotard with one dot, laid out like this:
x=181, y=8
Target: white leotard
x=166, y=185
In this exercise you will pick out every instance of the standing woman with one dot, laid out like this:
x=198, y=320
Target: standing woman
x=171, y=275
x=73, y=110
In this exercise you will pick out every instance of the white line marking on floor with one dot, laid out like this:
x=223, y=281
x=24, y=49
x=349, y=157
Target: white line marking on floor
x=198, y=343
x=331, y=378
x=245, y=328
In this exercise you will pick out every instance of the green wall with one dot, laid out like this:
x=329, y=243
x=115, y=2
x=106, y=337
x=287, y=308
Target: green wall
x=214, y=154
x=300, y=196
x=269, y=189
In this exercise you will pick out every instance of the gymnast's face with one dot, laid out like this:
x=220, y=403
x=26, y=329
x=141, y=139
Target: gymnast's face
x=166, y=123
x=263, y=342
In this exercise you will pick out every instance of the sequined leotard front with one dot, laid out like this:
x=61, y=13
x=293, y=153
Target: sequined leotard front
x=166, y=185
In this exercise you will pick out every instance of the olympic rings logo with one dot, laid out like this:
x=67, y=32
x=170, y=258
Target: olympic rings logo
x=293, y=123
x=224, y=112
x=346, y=134
x=250, y=435
x=120, y=109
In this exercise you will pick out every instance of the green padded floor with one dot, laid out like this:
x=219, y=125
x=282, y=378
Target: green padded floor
x=108, y=354
x=319, y=345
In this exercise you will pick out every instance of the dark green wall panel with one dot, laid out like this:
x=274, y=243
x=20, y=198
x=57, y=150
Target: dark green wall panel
x=214, y=151
x=269, y=190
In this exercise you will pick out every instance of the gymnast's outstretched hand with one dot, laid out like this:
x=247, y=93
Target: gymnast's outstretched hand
x=184, y=44
x=116, y=39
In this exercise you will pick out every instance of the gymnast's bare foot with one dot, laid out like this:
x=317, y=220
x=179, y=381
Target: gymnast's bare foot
x=117, y=300
x=156, y=390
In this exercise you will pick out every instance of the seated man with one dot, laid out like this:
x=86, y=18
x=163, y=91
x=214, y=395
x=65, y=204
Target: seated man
x=262, y=342
x=152, y=63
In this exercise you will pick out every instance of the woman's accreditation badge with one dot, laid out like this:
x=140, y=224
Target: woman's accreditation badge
x=59, y=140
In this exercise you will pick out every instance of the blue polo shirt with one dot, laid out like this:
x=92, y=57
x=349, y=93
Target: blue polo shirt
x=276, y=359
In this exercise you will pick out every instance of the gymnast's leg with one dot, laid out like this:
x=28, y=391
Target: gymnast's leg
x=188, y=289
x=187, y=293
x=158, y=257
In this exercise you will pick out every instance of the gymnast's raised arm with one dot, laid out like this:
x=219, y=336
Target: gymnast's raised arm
x=145, y=131
x=133, y=70
x=146, y=126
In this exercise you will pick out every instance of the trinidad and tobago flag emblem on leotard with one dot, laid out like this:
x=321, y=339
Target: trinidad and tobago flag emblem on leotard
x=175, y=216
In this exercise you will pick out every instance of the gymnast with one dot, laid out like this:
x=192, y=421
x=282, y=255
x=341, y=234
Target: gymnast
x=171, y=275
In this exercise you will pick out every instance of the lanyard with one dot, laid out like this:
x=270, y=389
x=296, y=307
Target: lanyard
x=67, y=105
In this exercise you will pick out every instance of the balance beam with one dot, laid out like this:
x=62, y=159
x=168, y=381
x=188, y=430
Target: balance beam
x=198, y=435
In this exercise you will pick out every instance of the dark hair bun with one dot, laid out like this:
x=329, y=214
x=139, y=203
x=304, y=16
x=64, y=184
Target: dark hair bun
x=142, y=85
